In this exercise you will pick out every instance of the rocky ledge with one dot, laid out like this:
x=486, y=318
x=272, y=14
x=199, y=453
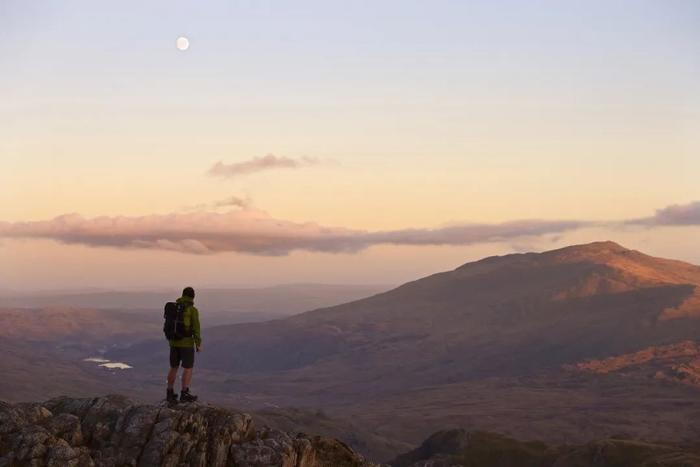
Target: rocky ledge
x=116, y=431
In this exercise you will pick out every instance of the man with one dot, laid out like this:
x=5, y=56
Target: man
x=182, y=350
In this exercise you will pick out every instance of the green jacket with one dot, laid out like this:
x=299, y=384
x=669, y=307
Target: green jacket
x=191, y=318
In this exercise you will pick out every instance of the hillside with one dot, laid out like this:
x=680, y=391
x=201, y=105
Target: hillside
x=453, y=448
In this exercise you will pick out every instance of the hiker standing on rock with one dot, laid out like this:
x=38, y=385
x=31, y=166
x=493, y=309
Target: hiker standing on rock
x=183, y=332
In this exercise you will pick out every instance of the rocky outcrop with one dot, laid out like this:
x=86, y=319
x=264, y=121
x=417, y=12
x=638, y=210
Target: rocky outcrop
x=116, y=431
x=664, y=354
x=678, y=362
x=453, y=448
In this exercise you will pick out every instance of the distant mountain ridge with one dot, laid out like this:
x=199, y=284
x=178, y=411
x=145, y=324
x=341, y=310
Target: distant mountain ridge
x=281, y=299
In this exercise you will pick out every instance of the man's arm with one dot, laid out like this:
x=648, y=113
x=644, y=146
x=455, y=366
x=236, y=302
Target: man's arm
x=196, y=329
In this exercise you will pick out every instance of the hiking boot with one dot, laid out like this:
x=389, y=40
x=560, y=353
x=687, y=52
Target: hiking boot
x=171, y=396
x=185, y=396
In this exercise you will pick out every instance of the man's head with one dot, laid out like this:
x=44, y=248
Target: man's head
x=188, y=292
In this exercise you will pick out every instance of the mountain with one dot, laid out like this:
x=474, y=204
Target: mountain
x=502, y=315
x=492, y=345
x=113, y=430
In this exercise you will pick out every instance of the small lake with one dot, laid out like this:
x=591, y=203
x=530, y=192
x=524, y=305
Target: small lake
x=104, y=363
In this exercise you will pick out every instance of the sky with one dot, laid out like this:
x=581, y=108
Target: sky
x=343, y=142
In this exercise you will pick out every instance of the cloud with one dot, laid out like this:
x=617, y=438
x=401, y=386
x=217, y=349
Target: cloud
x=231, y=201
x=475, y=233
x=259, y=164
x=255, y=232
x=676, y=214
x=236, y=201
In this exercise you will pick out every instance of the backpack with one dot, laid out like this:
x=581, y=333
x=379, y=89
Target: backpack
x=174, y=326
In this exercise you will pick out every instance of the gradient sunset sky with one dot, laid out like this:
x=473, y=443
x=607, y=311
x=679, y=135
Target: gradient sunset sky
x=339, y=142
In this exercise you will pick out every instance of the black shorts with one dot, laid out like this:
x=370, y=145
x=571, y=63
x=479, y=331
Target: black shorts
x=181, y=354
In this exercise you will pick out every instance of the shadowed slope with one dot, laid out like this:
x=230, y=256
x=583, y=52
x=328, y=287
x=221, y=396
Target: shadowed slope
x=478, y=449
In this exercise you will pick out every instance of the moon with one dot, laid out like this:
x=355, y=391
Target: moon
x=182, y=43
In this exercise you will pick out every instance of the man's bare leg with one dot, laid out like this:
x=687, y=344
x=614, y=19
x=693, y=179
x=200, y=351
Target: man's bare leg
x=186, y=377
x=172, y=375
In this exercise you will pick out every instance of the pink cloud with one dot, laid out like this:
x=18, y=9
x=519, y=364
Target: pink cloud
x=255, y=232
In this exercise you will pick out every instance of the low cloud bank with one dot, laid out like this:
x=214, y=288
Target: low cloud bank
x=256, y=232
x=259, y=164
x=467, y=234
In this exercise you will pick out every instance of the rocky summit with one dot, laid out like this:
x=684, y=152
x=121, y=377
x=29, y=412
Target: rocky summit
x=116, y=431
